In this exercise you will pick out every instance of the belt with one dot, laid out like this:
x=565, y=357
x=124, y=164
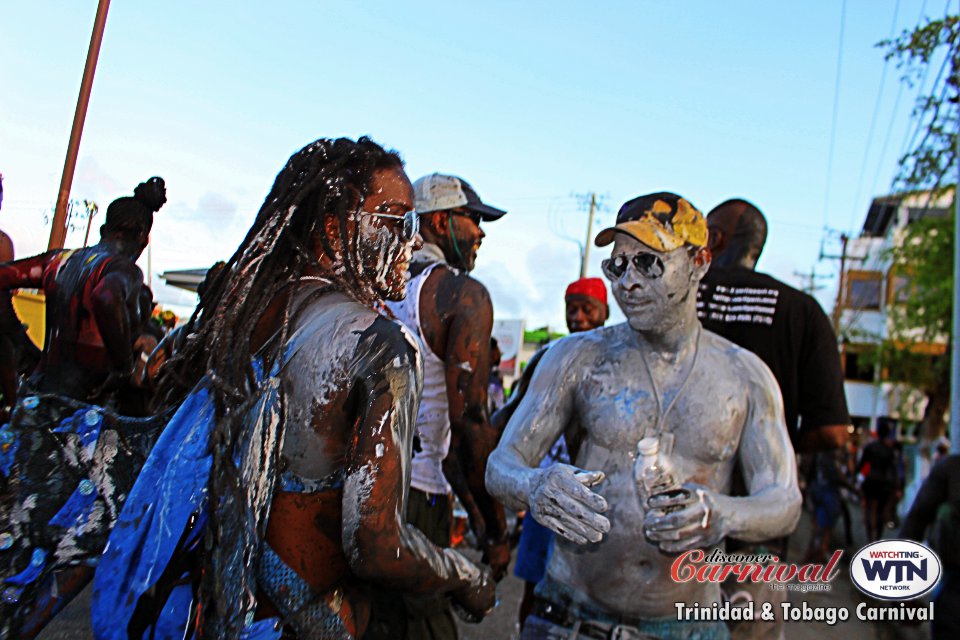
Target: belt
x=592, y=629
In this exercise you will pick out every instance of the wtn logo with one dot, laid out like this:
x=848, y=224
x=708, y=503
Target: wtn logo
x=903, y=569
x=895, y=569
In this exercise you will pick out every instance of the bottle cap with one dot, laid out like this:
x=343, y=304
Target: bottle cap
x=648, y=446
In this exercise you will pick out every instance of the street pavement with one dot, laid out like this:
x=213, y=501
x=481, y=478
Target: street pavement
x=73, y=622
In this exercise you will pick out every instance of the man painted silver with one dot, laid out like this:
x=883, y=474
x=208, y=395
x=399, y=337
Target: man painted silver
x=711, y=404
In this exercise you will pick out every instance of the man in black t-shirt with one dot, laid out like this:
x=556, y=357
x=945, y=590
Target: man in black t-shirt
x=784, y=326
x=793, y=336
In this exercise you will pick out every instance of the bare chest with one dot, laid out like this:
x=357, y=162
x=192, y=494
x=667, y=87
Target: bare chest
x=700, y=411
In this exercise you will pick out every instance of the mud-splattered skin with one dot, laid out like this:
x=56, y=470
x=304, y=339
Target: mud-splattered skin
x=93, y=307
x=456, y=316
x=352, y=380
x=609, y=551
x=352, y=386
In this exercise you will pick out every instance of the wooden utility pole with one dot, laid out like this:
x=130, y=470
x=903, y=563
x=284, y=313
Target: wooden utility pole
x=586, y=245
x=58, y=233
x=838, y=307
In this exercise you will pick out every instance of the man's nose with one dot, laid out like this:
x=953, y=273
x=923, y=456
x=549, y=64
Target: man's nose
x=632, y=279
x=482, y=234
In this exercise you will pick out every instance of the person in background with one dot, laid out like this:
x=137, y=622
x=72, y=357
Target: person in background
x=18, y=354
x=586, y=309
x=935, y=515
x=452, y=316
x=880, y=466
x=789, y=331
x=70, y=457
x=495, y=393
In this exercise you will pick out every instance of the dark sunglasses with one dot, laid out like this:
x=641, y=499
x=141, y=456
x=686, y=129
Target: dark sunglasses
x=649, y=265
x=410, y=219
x=466, y=213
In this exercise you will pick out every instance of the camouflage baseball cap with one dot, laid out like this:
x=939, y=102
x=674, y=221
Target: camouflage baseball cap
x=662, y=221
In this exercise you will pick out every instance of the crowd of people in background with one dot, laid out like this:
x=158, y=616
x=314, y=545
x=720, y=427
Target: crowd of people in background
x=289, y=459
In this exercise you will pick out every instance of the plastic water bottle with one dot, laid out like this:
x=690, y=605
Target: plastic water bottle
x=654, y=474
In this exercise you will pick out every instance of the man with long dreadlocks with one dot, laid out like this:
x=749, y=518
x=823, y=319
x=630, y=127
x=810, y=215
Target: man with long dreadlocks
x=275, y=496
x=66, y=457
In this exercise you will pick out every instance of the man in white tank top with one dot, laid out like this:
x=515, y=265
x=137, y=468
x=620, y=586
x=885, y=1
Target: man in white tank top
x=452, y=316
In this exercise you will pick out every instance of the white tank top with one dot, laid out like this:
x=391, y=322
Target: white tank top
x=433, y=417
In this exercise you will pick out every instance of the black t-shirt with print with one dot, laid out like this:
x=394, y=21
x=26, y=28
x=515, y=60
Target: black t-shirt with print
x=791, y=334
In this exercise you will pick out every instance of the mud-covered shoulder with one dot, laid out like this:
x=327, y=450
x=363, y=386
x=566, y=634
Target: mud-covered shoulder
x=387, y=343
x=724, y=355
x=570, y=356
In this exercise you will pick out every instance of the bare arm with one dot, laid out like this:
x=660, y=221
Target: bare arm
x=116, y=308
x=502, y=416
x=26, y=273
x=933, y=492
x=769, y=466
x=379, y=545
x=472, y=438
x=558, y=496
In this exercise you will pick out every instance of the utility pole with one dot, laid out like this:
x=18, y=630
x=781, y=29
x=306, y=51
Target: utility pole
x=838, y=306
x=58, y=233
x=811, y=280
x=586, y=245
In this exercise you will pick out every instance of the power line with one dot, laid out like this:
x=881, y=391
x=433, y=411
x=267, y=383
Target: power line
x=873, y=120
x=893, y=117
x=836, y=105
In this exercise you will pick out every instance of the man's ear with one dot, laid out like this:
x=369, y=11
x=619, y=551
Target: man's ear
x=701, y=261
x=715, y=239
x=435, y=223
x=606, y=312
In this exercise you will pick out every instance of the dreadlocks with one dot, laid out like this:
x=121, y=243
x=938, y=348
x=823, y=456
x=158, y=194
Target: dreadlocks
x=323, y=183
x=322, y=180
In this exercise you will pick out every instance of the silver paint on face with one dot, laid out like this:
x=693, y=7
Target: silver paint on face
x=613, y=550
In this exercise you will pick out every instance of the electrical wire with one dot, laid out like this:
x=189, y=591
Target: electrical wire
x=836, y=110
x=873, y=122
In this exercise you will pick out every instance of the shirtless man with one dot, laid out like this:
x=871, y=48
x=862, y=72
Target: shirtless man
x=708, y=404
x=311, y=456
x=68, y=475
x=586, y=309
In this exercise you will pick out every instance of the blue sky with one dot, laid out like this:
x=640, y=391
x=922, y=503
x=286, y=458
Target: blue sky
x=529, y=101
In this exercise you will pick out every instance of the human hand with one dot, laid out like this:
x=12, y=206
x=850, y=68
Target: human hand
x=677, y=521
x=563, y=503
x=473, y=602
x=497, y=556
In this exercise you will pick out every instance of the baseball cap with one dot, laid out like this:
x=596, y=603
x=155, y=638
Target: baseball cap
x=663, y=221
x=439, y=192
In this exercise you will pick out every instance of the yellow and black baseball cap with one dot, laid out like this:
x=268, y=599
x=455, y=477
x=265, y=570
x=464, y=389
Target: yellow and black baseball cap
x=663, y=221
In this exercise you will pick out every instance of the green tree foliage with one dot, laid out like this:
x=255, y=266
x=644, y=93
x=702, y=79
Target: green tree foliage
x=922, y=314
x=932, y=47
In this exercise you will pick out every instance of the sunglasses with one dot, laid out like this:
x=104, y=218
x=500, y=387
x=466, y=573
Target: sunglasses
x=649, y=265
x=466, y=213
x=410, y=220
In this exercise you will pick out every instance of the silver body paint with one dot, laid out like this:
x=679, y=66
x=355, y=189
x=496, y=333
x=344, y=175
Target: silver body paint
x=729, y=413
x=325, y=356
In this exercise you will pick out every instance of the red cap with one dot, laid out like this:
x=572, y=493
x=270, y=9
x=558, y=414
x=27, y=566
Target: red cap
x=590, y=287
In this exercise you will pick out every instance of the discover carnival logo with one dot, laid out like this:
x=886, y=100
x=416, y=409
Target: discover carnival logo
x=895, y=569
